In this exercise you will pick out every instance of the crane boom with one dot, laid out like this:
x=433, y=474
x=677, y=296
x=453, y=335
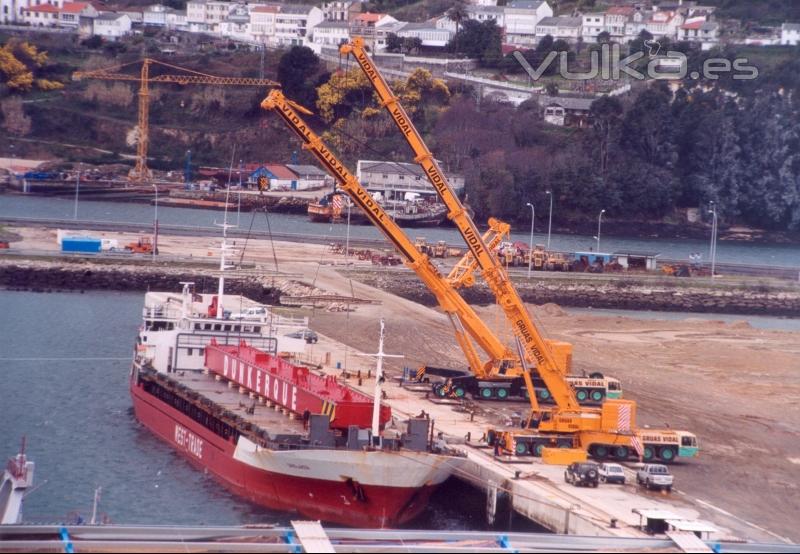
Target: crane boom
x=463, y=318
x=535, y=346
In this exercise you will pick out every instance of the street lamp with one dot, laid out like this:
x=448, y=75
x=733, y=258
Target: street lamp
x=347, y=239
x=239, y=205
x=530, y=243
x=155, y=225
x=713, y=253
x=599, y=221
x=77, y=188
x=550, y=219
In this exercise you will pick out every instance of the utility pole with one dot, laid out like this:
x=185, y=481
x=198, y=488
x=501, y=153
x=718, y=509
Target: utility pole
x=77, y=189
x=713, y=252
x=530, y=243
x=550, y=219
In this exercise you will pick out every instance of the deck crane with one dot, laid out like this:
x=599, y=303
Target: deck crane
x=189, y=77
x=599, y=430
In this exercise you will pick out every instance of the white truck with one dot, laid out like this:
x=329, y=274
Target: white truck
x=655, y=476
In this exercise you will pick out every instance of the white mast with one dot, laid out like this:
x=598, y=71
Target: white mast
x=376, y=404
x=224, y=247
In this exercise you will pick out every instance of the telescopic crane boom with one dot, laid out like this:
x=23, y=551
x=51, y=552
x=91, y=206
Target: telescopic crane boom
x=463, y=318
x=535, y=346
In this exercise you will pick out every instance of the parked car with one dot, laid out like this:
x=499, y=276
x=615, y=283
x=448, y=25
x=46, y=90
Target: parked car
x=612, y=473
x=306, y=334
x=582, y=473
x=256, y=312
x=655, y=476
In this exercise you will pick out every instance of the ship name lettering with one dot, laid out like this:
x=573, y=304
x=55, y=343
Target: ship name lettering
x=250, y=377
x=189, y=441
x=259, y=373
x=294, y=398
x=298, y=466
x=285, y=395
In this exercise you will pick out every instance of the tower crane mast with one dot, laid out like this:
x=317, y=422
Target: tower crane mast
x=141, y=172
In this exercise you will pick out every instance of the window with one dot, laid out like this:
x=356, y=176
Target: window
x=190, y=352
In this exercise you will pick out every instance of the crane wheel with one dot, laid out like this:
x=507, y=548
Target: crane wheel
x=621, y=453
x=596, y=375
x=648, y=453
x=521, y=449
x=581, y=395
x=459, y=392
x=600, y=451
x=485, y=393
x=502, y=394
x=536, y=449
x=667, y=454
x=544, y=395
x=598, y=396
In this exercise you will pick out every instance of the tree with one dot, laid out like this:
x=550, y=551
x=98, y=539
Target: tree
x=297, y=71
x=457, y=13
x=605, y=114
x=479, y=40
x=546, y=44
x=412, y=44
x=394, y=43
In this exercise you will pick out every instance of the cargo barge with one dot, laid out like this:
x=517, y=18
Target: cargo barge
x=211, y=383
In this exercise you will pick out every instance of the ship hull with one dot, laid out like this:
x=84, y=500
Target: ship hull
x=343, y=487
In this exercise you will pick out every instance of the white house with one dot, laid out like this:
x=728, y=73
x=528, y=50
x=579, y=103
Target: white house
x=196, y=15
x=562, y=27
x=330, y=33
x=366, y=25
x=616, y=18
x=592, y=25
x=521, y=18
x=664, y=23
x=237, y=24
x=58, y=14
x=427, y=32
x=293, y=22
x=790, y=34
x=262, y=23
x=111, y=25
x=341, y=10
x=384, y=29
x=155, y=15
x=697, y=29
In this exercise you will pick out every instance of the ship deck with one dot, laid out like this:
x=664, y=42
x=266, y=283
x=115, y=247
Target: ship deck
x=228, y=397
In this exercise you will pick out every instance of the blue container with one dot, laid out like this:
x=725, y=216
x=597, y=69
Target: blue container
x=88, y=245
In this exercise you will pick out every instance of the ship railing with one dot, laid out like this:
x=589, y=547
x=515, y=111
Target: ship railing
x=161, y=311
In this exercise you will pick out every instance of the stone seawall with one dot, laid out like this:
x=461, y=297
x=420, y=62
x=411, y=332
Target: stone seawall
x=40, y=276
x=618, y=293
x=613, y=294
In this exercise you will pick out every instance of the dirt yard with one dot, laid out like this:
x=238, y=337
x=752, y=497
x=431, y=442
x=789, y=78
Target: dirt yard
x=736, y=387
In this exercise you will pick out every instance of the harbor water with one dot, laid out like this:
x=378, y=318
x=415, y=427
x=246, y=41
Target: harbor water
x=782, y=255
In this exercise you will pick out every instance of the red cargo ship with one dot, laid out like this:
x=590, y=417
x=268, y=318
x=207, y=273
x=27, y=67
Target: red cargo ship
x=272, y=431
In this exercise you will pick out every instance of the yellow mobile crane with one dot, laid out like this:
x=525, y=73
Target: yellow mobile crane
x=612, y=424
x=599, y=430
